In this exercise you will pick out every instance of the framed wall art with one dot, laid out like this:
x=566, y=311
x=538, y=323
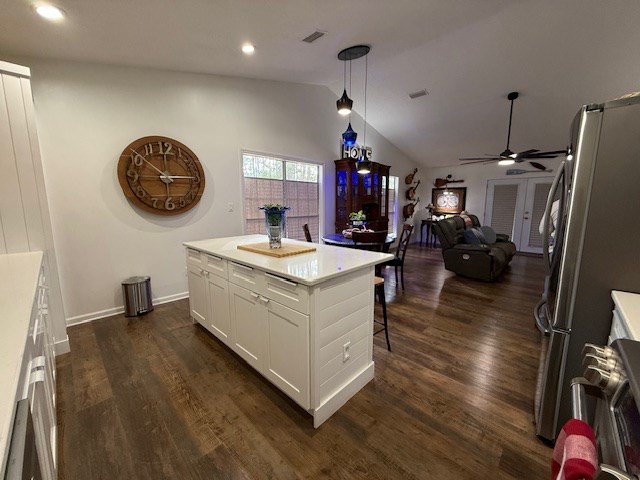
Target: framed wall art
x=448, y=200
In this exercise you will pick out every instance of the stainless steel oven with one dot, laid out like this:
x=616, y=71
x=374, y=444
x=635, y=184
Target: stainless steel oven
x=614, y=371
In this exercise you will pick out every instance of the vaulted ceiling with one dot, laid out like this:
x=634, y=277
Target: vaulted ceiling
x=468, y=54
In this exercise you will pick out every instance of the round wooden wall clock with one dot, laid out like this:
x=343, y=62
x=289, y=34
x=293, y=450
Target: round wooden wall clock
x=161, y=175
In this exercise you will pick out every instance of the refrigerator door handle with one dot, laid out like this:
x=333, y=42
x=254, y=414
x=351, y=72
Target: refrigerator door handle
x=548, y=221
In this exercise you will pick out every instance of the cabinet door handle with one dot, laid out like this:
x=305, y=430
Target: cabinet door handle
x=242, y=266
x=283, y=280
x=264, y=299
x=255, y=295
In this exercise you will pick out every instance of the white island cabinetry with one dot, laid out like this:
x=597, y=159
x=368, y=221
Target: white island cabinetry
x=27, y=367
x=304, y=322
x=209, y=293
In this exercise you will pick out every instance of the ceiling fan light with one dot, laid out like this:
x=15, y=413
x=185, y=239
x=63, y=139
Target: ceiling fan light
x=506, y=161
x=344, y=104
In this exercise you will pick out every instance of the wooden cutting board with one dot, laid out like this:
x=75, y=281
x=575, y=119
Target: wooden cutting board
x=284, y=251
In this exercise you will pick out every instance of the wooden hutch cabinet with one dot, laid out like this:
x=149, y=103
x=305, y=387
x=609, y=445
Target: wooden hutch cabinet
x=368, y=192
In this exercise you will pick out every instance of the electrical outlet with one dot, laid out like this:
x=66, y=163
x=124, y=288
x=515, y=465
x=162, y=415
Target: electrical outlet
x=230, y=207
x=345, y=351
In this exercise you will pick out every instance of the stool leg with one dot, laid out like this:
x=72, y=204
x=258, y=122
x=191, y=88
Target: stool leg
x=383, y=304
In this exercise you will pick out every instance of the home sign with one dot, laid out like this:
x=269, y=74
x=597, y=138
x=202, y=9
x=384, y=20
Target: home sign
x=356, y=152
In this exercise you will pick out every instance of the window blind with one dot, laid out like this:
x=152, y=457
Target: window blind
x=504, y=206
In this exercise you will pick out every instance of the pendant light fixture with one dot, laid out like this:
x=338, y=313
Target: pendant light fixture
x=344, y=103
x=349, y=135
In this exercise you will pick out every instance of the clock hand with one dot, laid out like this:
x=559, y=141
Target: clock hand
x=177, y=176
x=151, y=165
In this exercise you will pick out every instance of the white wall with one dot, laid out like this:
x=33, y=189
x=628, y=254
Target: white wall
x=88, y=113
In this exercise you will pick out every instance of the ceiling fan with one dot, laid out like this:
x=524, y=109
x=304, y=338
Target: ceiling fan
x=507, y=157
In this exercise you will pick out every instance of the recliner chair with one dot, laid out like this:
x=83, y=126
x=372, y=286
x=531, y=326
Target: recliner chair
x=482, y=261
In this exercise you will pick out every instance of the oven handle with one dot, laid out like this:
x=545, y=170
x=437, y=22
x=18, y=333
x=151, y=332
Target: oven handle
x=579, y=398
x=607, y=472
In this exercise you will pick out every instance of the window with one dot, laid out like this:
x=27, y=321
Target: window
x=393, y=204
x=292, y=183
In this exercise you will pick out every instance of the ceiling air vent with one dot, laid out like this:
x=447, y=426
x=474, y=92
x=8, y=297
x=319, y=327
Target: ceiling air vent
x=313, y=37
x=419, y=93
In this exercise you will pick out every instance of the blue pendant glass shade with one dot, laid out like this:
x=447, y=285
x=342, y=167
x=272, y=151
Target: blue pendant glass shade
x=344, y=104
x=349, y=136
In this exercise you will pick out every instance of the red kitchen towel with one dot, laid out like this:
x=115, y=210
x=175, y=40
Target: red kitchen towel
x=574, y=456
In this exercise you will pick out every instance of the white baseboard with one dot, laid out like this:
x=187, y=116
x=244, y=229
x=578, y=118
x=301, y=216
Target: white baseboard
x=109, y=312
x=62, y=346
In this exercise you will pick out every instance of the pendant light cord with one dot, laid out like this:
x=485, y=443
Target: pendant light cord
x=344, y=78
x=366, y=69
x=345, y=69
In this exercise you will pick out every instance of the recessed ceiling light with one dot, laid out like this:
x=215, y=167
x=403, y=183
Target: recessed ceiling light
x=50, y=12
x=248, y=49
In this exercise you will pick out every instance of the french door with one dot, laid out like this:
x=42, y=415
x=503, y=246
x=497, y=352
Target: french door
x=515, y=206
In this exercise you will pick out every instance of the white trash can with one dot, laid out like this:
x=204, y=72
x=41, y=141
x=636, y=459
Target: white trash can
x=136, y=292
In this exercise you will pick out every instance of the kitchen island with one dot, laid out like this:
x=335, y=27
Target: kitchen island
x=305, y=322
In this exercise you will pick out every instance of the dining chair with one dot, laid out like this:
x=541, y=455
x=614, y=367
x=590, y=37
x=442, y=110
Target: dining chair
x=398, y=261
x=375, y=241
x=307, y=233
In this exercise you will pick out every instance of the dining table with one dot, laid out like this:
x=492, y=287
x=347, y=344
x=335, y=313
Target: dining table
x=340, y=240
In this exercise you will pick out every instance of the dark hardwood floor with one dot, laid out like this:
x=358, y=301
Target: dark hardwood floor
x=157, y=397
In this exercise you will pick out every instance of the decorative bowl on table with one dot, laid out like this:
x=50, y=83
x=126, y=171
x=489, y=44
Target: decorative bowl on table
x=346, y=233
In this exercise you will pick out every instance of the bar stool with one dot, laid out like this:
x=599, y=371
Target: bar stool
x=375, y=241
x=378, y=286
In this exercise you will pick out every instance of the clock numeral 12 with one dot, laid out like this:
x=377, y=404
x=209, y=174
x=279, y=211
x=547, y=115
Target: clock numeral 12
x=168, y=147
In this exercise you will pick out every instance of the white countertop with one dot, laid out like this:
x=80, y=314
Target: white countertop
x=628, y=304
x=19, y=275
x=306, y=268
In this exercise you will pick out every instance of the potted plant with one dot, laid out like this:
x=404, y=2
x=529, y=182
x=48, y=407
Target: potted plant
x=357, y=218
x=274, y=216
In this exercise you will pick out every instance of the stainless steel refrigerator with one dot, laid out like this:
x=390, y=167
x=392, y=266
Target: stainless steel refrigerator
x=595, y=249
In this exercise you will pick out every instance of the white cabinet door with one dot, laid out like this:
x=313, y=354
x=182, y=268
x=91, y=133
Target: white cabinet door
x=197, y=294
x=219, y=318
x=287, y=351
x=248, y=325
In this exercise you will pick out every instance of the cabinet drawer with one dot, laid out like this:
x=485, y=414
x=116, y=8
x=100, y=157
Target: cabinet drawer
x=194, y=257
x=247, y=277
x=286, y=292
x=215, y=265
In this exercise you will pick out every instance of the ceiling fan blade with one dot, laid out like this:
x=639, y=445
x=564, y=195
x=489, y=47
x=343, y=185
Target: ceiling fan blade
x=492, y=157
x=549, y=154
x=478, y=160
x=526, y=152
x=537, y=165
